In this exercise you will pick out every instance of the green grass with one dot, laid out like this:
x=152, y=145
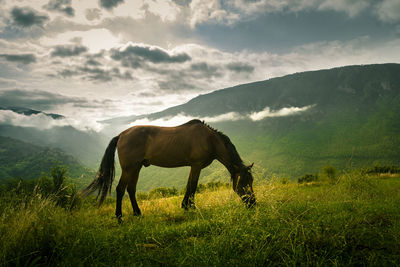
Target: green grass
x=354, y=221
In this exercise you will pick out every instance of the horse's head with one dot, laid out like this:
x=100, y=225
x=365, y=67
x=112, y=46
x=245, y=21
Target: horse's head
x=243, y=185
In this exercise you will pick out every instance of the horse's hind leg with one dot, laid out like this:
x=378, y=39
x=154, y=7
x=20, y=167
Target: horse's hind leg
x=188, y=199
x=132, y=190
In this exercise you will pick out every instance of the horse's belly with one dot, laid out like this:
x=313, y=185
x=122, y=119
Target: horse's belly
x=168, y=163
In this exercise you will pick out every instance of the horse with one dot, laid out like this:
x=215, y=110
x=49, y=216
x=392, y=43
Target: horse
x=193, y=144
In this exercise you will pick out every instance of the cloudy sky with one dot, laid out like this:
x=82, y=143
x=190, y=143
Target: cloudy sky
x=97, y=59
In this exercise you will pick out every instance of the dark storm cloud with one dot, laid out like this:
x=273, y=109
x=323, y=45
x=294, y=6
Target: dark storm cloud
x=109, y=4
x=240, y=67
x=63, y=6
x=19, y=58
x=27, y=17
x=68, y=50
x=133, y=55
x=40, y=100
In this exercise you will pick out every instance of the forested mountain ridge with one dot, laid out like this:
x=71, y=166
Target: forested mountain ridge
x=343, y=86
x=24, y=160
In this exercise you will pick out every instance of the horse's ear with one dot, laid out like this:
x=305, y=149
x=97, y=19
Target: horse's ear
x=250, y=166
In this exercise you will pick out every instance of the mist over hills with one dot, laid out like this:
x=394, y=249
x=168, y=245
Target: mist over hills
x=51, y=130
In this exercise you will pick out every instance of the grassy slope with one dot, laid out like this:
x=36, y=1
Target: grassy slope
x=353, y=222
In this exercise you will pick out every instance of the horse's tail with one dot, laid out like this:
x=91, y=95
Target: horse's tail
x=105, y=175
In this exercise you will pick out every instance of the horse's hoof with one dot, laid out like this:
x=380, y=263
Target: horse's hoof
x=189, y=206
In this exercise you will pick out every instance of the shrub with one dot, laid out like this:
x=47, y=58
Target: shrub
x=211, y=186
x=330, y=173
x=161, y=192
x=377, y=169
x=284, y=180
x=54, y=187
x=307, y=178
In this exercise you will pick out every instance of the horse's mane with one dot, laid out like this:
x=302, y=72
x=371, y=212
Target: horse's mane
x=232, y=152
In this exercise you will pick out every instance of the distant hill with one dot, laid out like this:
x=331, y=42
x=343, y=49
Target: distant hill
x=24, y=160
x=29, y=112
x=354, y=113
x=86, y=146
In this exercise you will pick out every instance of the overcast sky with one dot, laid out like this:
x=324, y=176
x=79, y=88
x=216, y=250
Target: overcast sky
x=97, y=59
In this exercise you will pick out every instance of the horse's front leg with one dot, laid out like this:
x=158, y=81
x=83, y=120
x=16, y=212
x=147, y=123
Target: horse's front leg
x=188, y=200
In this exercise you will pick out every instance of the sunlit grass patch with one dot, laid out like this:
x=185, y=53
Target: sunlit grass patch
x=355, y=221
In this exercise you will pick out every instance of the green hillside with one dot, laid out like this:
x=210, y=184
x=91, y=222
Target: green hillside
x=24, y=160
x=87, y=147
x=355, y=115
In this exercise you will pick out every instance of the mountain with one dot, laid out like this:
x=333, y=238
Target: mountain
x=347, y=116
x=359, y=86
x=24, y=160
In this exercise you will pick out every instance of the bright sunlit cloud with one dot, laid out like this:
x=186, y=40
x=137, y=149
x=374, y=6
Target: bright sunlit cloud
x=95, y=40
x=268, y=113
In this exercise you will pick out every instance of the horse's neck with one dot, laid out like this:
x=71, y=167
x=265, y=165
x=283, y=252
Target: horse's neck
x=223, y=155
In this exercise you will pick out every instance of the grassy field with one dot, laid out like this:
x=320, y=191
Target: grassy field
x=354, y=220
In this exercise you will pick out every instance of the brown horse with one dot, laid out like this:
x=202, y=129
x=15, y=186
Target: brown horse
x=193, y=144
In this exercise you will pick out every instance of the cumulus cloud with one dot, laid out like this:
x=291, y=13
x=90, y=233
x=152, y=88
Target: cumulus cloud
x=206, y=11
x=94, y=71
x=167, y=10
x=389, y=10
x=110, y=4
x=27, y=17
x=63, y=6
x=232, y=11
x=104, y=75
x=351, y=7
x=133, y=55
x=92, y=14
x=19, y=58
x=68, y=50
x=206, y=69
x=240, y=67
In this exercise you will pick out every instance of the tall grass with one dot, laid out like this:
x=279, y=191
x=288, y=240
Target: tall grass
x=355, y=221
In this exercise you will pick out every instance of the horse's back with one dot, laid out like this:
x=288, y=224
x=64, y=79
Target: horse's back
x=167, y=146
